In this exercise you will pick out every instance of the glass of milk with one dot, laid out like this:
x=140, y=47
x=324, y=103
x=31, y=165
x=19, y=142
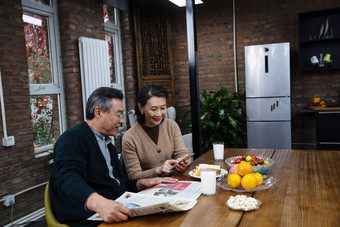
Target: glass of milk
x=218, y=147
x=208, y=180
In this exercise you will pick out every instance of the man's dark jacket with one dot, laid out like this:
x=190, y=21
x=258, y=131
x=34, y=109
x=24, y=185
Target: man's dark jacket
x=79, y=170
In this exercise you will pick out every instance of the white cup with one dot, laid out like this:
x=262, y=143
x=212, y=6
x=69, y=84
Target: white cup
x=218, y=147
x=314, y=60
x=208, y=179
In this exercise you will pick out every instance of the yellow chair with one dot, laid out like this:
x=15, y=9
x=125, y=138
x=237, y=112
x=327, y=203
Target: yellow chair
x=50, y=219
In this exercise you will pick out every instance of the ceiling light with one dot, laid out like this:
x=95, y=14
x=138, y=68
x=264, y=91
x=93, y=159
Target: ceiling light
x=182, y=3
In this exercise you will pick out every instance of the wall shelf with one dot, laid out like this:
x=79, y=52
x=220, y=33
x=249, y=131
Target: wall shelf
x=320, y=41
x=313, y=41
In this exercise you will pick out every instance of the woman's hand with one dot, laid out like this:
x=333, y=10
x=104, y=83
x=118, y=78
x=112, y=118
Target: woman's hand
x=166, y=168
x=149, y=182
x=181, y=166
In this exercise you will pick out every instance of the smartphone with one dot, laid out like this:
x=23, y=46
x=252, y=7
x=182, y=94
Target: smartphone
x=184, y=158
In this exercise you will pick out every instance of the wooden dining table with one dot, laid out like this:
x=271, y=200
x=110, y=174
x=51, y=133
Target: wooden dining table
x=307, y=193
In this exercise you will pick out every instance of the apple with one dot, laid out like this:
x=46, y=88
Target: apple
x=248, y=158
x=233, y=169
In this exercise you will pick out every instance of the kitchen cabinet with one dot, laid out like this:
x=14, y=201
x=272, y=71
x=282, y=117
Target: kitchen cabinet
x=319, y=34
x=327, y=125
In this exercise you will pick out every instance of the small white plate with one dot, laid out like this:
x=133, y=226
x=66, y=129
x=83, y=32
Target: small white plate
x=223, y=172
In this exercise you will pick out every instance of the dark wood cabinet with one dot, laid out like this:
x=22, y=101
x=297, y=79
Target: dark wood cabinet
x=327, y=125
x=319, y=34
x=153, y=46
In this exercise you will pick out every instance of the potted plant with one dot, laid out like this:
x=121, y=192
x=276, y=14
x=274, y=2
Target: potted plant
x=222, y=119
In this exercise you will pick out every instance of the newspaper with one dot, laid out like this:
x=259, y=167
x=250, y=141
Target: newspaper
x=162, y=198
x=182, y=189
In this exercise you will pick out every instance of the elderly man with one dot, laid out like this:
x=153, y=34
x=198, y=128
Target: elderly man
x=87, y=176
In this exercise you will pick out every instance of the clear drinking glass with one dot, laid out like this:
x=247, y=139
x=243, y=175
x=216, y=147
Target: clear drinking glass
x=208, y=179
x=218, y=147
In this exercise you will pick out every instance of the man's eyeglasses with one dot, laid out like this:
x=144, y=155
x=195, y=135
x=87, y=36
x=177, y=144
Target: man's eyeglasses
x=119, y=116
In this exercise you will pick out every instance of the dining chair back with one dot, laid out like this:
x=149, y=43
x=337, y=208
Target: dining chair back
x=171, y=113
x=49, y=215
x=188, y=143
x=132, y=117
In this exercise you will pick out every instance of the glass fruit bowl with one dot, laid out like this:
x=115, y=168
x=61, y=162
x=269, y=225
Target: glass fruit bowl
x=268, y=182
x=259, y=168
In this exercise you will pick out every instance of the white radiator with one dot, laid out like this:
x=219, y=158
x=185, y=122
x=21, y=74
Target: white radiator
x=94, y=66
x=28, y=219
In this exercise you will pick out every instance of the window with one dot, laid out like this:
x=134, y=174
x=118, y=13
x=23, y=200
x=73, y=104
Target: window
x=44, y=2
x=42, y=48
x=112, y=36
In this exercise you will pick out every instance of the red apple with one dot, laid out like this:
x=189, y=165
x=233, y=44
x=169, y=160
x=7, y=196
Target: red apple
x=233, y=169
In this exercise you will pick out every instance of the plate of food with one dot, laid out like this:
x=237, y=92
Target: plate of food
x=219, y=171
x=260, y=164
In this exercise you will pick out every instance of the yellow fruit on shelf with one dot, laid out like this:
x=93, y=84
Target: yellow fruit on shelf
x=316, y=99
x=234, y=180
x=323, y=104
x=248, y=181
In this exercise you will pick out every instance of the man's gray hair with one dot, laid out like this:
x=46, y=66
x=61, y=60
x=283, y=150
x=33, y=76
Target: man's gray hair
x=101, y=98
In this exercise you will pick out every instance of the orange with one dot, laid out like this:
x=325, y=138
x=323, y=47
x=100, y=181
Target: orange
x=234, y=180
x=259, y=178
x=248, y=181
x=244, y=168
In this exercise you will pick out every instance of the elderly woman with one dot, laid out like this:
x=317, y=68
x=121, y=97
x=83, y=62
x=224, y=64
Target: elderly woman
x=154, y=145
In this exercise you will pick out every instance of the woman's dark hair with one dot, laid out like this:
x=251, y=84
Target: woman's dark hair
x=101, y=97
x=145, y=93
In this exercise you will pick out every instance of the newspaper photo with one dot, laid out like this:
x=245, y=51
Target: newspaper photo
x=162, y=198
x=182, y=189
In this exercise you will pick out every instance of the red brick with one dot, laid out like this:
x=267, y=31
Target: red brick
x=257, y=22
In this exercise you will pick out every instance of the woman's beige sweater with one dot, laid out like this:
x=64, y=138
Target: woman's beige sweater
x=141, y=155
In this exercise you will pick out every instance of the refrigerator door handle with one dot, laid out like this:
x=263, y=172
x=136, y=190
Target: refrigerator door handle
x=266, y=64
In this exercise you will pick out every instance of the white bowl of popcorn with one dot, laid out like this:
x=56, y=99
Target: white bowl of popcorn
x=242, y=202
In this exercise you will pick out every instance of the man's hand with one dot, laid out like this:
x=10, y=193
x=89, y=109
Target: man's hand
x=109, y=210
x=149, y=182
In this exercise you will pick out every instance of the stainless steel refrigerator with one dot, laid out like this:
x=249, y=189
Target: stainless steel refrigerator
x=267, y=70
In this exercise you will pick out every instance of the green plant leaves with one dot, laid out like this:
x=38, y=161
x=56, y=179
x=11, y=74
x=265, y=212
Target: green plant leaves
x=221, y=118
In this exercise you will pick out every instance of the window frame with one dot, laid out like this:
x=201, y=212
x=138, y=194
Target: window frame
x=114, y=31
x=56, y=87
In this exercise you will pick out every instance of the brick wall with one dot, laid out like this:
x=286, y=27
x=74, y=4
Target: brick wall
x=129, y=60
x=19, y=169
x=76, y=18
x=257, y=22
